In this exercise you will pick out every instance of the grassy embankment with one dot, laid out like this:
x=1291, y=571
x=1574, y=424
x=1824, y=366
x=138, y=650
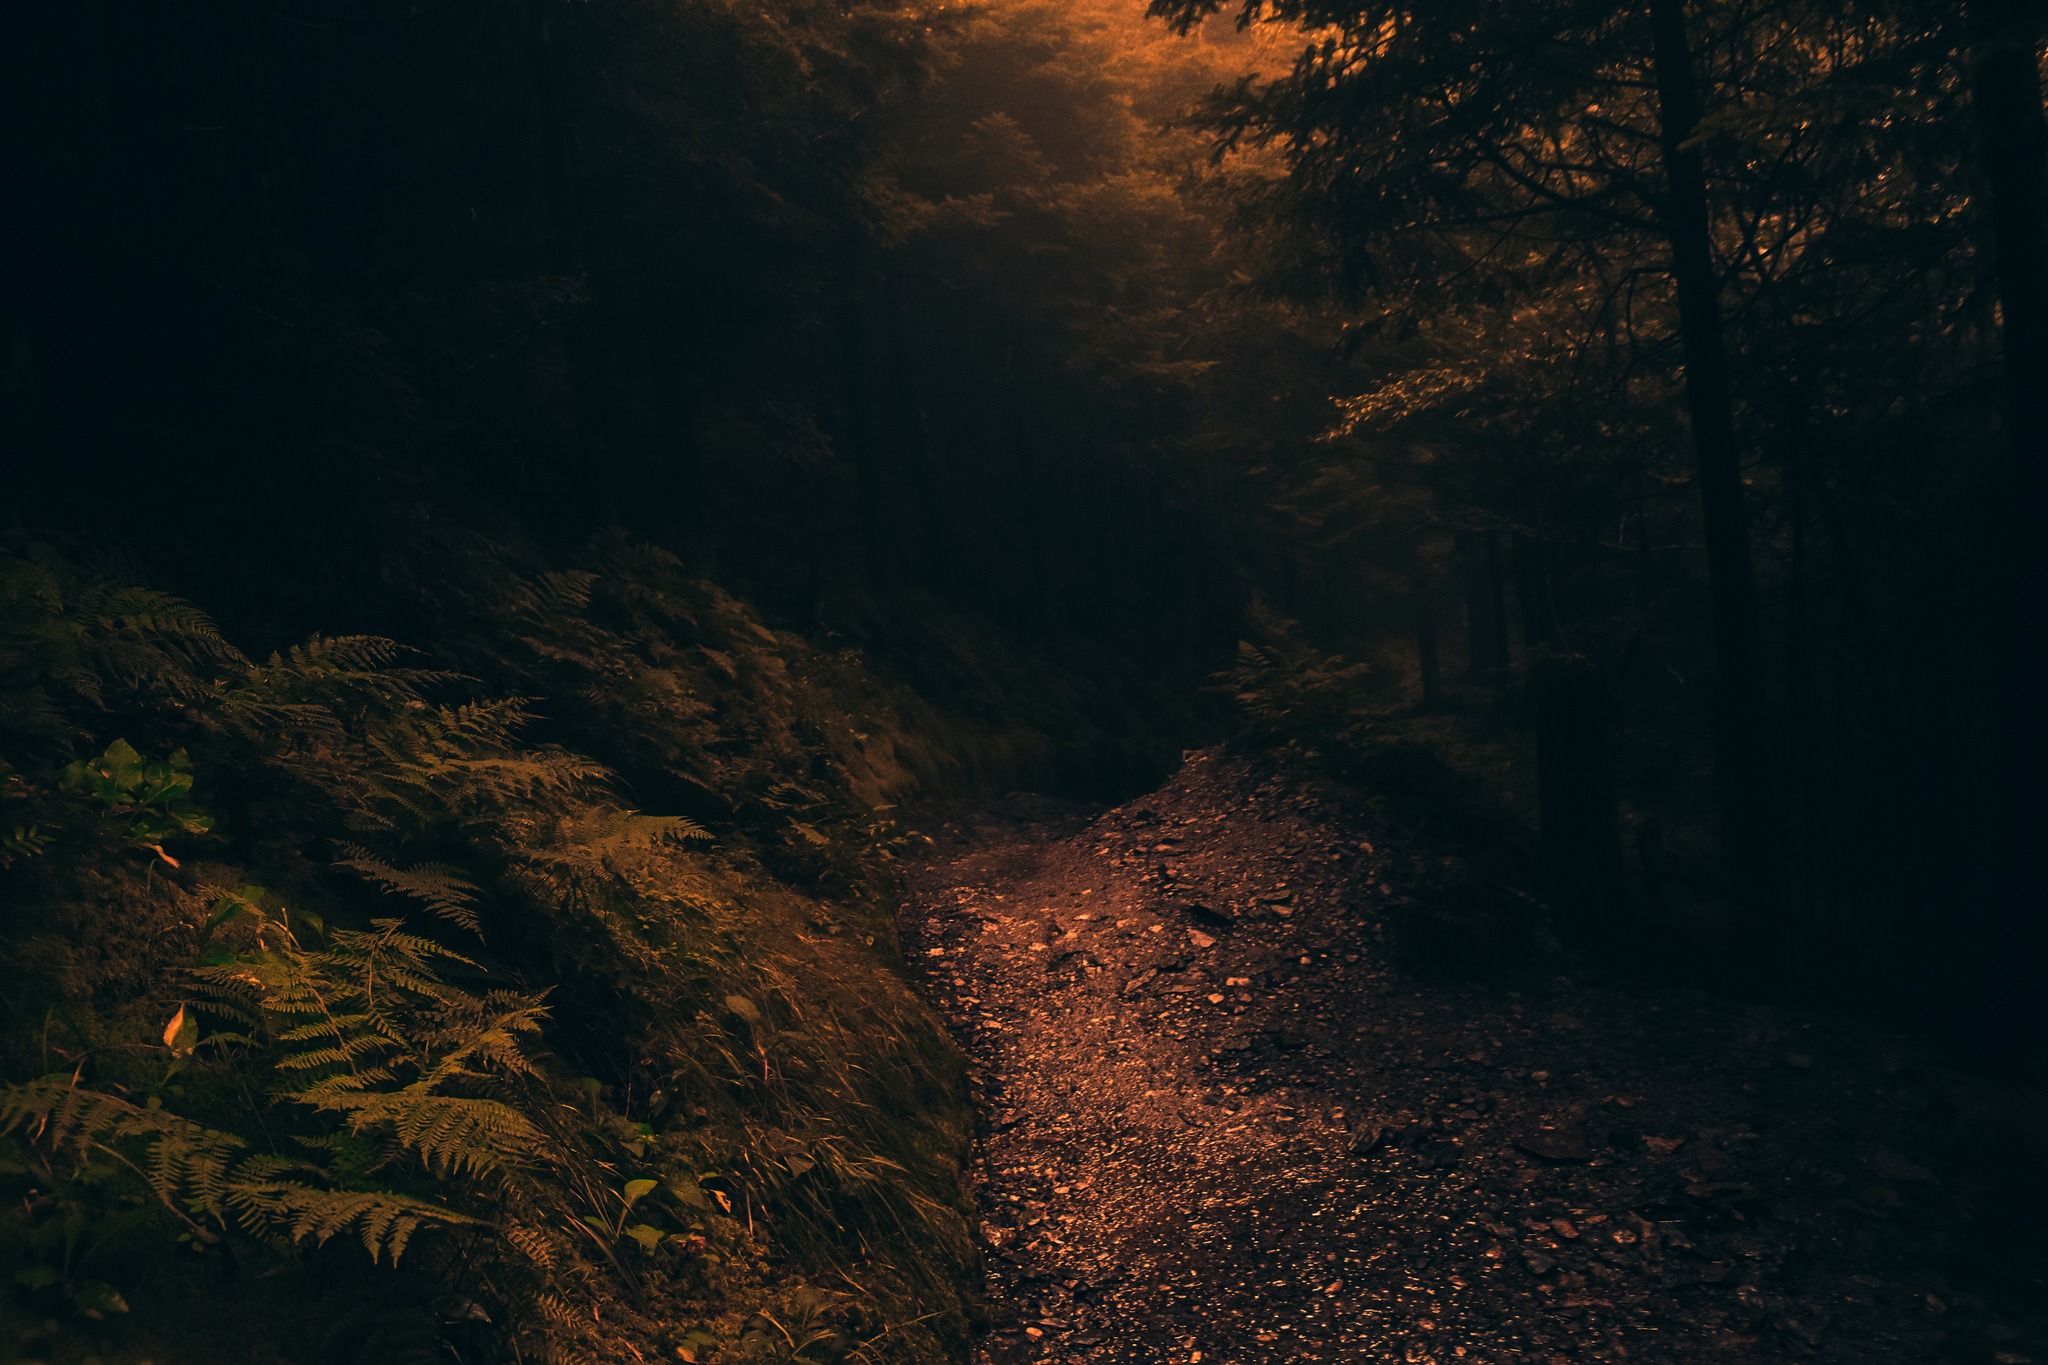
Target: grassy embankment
x=530, y=994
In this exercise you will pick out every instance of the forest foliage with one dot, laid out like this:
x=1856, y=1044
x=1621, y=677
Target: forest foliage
x=526, y=990
x=1693, y=342
x=632, y=448
x=326, y=961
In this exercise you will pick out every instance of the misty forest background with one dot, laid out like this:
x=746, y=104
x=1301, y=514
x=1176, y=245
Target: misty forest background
x=509, y=505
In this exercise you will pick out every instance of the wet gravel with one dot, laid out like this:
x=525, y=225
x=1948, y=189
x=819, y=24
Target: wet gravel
x=1220, y=1127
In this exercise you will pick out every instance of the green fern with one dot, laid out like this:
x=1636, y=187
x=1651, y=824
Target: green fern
x=209, y=1179
x=65, y=637
x=333, y=1081
x=440, y=888
x=383, y=1221
x=364, y=1032
x=1289, y=690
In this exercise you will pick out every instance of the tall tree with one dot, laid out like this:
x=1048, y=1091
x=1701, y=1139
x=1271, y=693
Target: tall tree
x=2005, y=88
x=1467, y=153
x=1688, y=224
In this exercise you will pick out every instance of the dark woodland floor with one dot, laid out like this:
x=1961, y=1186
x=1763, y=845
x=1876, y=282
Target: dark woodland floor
x=1219, y=1127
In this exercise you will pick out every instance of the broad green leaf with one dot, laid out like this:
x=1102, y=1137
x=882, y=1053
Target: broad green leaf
x=122, y=764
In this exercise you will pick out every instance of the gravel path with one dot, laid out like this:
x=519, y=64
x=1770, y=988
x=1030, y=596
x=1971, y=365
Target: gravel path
x=1220, y=1128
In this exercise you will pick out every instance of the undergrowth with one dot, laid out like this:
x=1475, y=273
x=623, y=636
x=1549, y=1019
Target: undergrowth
x=1458, y=780
x=361, y=1010
x=1450, y=781
x=1446, y=772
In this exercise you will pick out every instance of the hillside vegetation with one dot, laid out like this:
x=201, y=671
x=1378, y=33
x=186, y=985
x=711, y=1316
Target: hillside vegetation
x=531, y=997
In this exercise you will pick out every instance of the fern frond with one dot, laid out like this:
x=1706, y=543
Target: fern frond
x=439, y=887
x=308, y=691
x=484, y=724
x=536, y=1244
x=210, y=1173
x=593, y=840
x=386, y=942
x=186, y=1164
x=342, y=1083
x=145, y=637
x=58, y=1111
x=451, y=1134
x=228, y=991
x=550, y=596
x=332, y=654
x=346, y=1051
x=476, y=1035
x=302, y=1213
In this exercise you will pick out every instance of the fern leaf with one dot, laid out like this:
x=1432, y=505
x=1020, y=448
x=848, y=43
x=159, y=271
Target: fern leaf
x=439, y=887
x=302, y=1213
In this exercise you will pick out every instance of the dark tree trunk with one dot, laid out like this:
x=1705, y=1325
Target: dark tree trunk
x=1739, y=768
x=914, y=434
x=1532, y=593
x=1649, y=841
x=857, y=441
x=2005, y=89
x=1800, y=677
x=681, y=473
x=1030, y=509
x=1579, y=854
x=1643, y=576
x=582, y=342
x=1486, y=607
x=1426, y=648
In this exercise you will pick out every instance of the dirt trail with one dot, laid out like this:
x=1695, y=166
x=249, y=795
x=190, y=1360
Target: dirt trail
x=1218, y=1126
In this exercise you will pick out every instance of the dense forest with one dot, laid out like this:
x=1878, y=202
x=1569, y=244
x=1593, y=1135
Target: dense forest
x=524, y=521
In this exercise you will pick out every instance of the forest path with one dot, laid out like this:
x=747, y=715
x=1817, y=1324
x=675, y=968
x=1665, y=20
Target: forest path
x=1217, y=1127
